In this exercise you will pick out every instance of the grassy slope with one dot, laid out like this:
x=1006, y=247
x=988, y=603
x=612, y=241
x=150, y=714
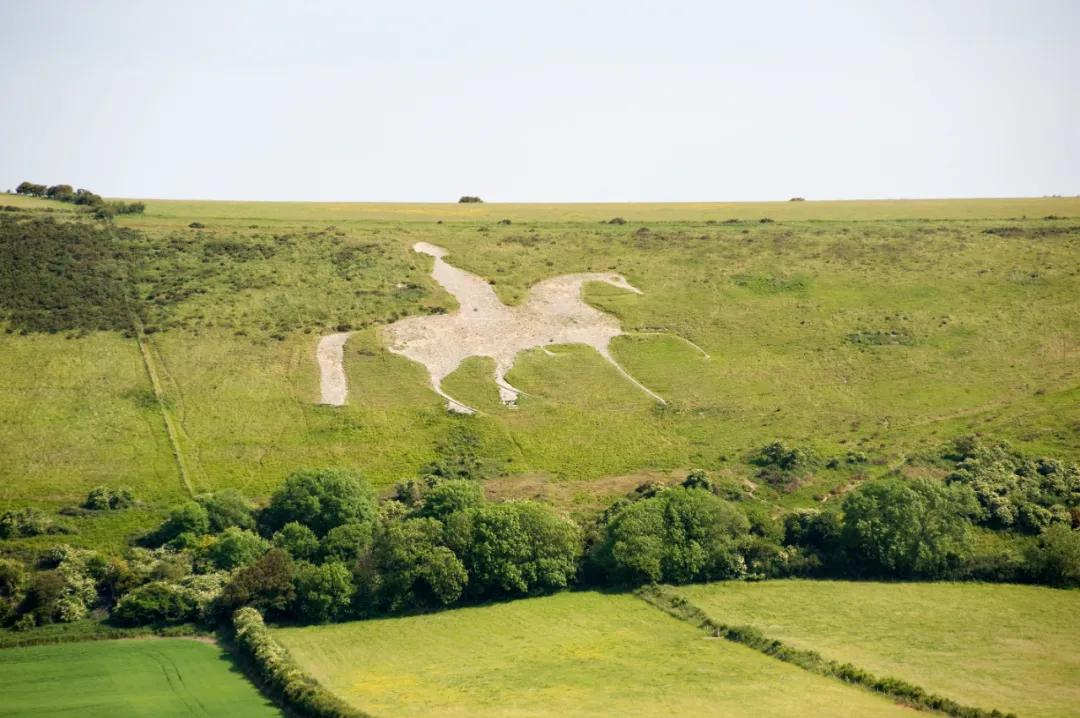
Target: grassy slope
x=1007, y=647
x=993, y=323
x=115, y=679
x=569, y=654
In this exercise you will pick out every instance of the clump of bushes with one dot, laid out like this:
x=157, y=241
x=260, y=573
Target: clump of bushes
x=102, y=498
x=470, y=199
x=24, y=522
x=84, y=197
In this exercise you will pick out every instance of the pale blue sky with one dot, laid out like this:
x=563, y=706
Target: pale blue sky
x=542, y=101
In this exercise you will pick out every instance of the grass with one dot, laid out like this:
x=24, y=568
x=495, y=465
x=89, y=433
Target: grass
x=800, y=317
x=569, y=654
x=1007, y=647
x=113, y=679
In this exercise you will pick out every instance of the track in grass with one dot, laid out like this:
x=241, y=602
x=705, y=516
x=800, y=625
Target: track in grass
x=115, y=679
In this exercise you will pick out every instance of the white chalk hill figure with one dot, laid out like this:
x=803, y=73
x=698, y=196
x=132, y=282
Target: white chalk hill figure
x=553, y=313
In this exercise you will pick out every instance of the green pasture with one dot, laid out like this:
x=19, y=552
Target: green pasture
x=842, y=326
x=117, y=679
x=568, y=654
x=994, y=646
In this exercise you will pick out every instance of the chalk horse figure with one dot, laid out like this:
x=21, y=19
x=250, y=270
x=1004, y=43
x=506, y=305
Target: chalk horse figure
x=553, y=313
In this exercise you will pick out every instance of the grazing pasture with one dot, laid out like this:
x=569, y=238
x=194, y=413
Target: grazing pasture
x=877, y=327
x=995, y=646
x=568, y=654
x=117, y=679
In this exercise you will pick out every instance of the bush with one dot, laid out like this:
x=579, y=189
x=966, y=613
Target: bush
x=285, y=678
x=470, y=199
x=227, y=508
x=321, y=500
x=102, y=498
x=677, y=536
x=25, y=522
x=266, y=584
x=190, y=518
x=157, y=602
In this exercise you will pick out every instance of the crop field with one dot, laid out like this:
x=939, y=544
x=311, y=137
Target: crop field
x=116, y=679
x=1008, y=647
x=881, y=327
x=570, y=654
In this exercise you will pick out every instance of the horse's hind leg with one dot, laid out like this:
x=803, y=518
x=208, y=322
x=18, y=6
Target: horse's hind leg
x=672, y=334
x=604, y=352
x=507, y=392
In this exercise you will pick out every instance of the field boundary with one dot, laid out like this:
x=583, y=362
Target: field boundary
x=282, y=676
x=898, y=689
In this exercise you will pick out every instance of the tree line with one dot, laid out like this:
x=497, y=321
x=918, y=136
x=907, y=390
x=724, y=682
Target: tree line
x=325, y=548
x=101, y=208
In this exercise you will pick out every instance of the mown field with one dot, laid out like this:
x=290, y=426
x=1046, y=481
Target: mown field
x=996, y=646
x=569, y=654
x=116, y=679
x=879, y=327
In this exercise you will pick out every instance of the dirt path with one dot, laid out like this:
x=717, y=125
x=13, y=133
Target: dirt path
x=331, y=357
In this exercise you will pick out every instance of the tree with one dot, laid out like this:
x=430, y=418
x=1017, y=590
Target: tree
x=346, y=543
x=266, y=584
x=188, y=518
x=677, y=536
x=157, y=602
x=323, y=592
x=236, y=547
x=470, y=199
x=227, y=508
x=518, y=547
x=60, y=192
x=1055, y=559
x=30, y=189
x=300, y=541
x=321, y=500
x=902, y=529
x=411, y=567
x=449, y=496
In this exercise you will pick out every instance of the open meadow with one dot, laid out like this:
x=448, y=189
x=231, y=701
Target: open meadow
x=571, y=654
x=118, y=679
x=1008, y=647
x=879, y=327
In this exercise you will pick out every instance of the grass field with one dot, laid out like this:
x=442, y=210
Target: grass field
x=116, y=679
x=883, y=326
x=996, y=646
x=564, y=655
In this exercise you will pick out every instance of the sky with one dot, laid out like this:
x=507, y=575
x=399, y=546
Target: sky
x=542, y=101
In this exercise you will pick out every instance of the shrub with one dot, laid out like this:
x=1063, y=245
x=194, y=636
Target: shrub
x=227, y=508
x=102, y=498
x=157, y=602
x=678, y=536
x=12, y=578
x=321, y=500
x=616, y=220
x=24, y=522
x=189, y=518
x=469, y=199
x=266, y=584
x=285, y=678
